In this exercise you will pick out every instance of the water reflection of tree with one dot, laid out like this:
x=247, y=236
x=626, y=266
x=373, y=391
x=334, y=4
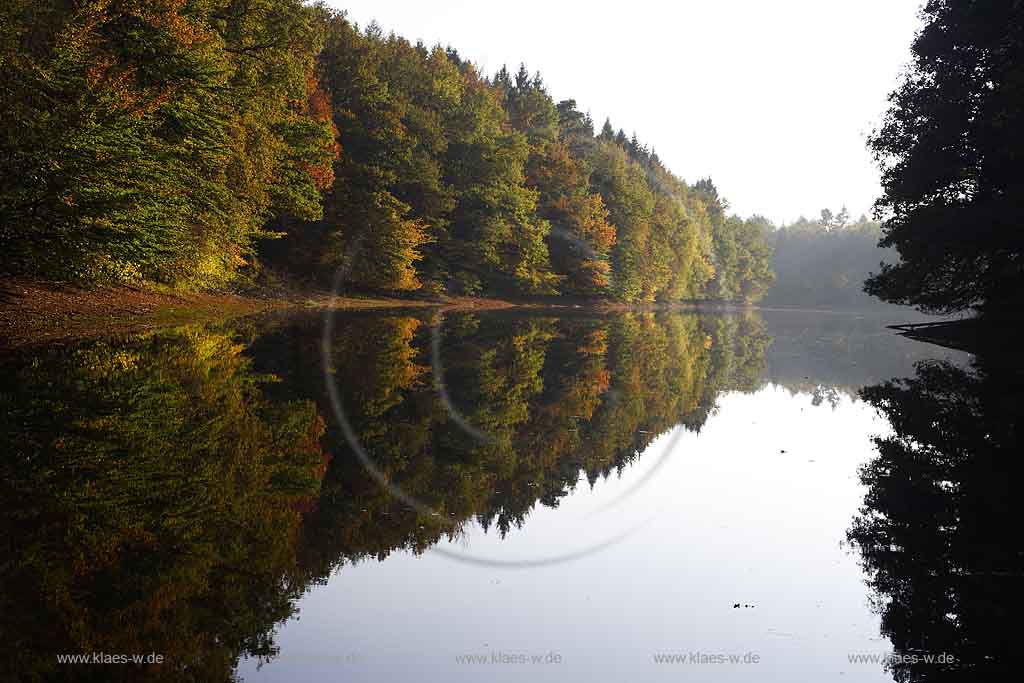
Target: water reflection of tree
x=940, y=528
x=168, y=493
x=832, y=356
x=151, y=502
x=556, y=397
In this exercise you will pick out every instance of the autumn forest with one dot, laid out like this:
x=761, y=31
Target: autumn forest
x=330, y=354
x=196, y=143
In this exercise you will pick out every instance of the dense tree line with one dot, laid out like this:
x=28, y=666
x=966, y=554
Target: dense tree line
x=165, y=140
x=824, y=262
x=454, y=182
x=951, y=150
x=153, y=139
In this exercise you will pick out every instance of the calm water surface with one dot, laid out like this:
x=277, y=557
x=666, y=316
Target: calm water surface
x=498, y=496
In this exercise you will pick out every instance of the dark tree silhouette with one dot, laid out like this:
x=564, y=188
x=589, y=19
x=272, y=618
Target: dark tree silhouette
x=951, y=149
x=940, y=528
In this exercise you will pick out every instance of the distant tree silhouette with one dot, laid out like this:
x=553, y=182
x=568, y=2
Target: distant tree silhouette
x=824, y=262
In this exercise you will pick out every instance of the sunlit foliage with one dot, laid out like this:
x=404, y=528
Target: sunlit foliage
x=155, y=139
x=164, y=140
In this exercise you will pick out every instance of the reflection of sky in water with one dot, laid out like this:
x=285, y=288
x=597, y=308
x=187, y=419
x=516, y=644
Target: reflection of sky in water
x=728, y=519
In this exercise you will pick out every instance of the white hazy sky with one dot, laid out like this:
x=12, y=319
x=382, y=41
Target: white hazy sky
x=773, y=100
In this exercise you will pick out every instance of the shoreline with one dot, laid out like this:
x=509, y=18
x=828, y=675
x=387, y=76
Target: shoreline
x=38, y=311
x=34, y=311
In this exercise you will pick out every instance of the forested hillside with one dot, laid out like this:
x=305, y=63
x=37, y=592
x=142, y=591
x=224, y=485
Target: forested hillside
x=194, y=142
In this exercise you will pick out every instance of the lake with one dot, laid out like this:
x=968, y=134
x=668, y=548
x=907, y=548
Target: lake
x=549, y=494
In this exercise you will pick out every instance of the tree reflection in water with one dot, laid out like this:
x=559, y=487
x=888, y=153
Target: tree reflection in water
x=176, y=492
x=940, y=530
